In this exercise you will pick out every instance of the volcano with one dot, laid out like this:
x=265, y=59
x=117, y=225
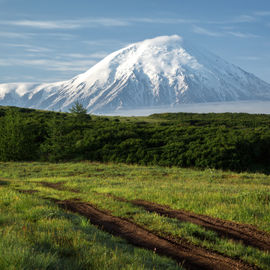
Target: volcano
x=164, y=71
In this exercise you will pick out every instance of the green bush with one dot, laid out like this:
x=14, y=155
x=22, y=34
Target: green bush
x=239, y=142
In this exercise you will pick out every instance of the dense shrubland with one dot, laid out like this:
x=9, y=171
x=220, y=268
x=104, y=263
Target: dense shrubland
x=239, y=142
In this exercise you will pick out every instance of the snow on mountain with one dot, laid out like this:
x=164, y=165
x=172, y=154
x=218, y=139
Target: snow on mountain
x=156, y=72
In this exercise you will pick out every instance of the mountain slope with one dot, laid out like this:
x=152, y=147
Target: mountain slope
x=160, y=71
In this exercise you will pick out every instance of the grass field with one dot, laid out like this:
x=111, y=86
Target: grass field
x=37, y=234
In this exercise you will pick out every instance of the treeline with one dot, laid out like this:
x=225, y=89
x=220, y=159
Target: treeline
x=239, y=142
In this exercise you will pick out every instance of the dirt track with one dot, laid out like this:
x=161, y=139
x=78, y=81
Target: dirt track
x=192, y=257
x=58, y=186
x=3, y=182
x=249, y=234
x=27, y=191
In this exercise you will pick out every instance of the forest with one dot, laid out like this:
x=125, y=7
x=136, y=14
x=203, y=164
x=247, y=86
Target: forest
x=228, y=141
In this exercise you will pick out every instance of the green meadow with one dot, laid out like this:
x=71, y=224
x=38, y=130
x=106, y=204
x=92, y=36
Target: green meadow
x=36, y=234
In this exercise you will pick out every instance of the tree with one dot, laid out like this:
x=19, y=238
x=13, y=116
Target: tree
x=17, y=138
x=78, y=108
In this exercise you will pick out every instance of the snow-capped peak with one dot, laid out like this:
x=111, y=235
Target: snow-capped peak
x=164, y=70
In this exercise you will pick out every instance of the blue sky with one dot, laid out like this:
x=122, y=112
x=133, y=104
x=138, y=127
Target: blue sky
x=51, y=40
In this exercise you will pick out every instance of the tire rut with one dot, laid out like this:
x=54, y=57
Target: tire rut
x=58, y=186
x=190, y=256
x=248, y=234
x=27, y=191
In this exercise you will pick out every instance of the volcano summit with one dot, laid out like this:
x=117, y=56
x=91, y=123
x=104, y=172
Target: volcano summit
x=164, y=71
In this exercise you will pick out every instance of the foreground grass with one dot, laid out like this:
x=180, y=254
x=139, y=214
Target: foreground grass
x=38, y=235
x=49, y=238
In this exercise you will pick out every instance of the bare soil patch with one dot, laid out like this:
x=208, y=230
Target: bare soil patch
x=27, y=191
x=58, y=186
x=4, y=183
x=190, y=256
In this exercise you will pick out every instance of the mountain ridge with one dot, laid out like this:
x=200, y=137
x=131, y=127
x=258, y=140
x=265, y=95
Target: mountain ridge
x=155, y=72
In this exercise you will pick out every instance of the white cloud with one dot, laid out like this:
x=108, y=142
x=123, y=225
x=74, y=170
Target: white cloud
x=49, y=64
x=242, y=35
x=204, y=31
x=61, y=36
x=236, y=20
x=97, y=55
x=244, y=19
x=116, y=22
x=93, y=22
x=22, y=78
x=227, y=27
x=67, y=24
x=108, y=22
x=113, y=43
x=27, y=35
x=164, y=20
x=29, y=48
x=249, y=58
x=262, y=13
x=16, y=35
x=45, y=24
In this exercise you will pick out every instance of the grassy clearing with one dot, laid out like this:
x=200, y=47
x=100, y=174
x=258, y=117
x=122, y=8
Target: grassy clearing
x=51, y=238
